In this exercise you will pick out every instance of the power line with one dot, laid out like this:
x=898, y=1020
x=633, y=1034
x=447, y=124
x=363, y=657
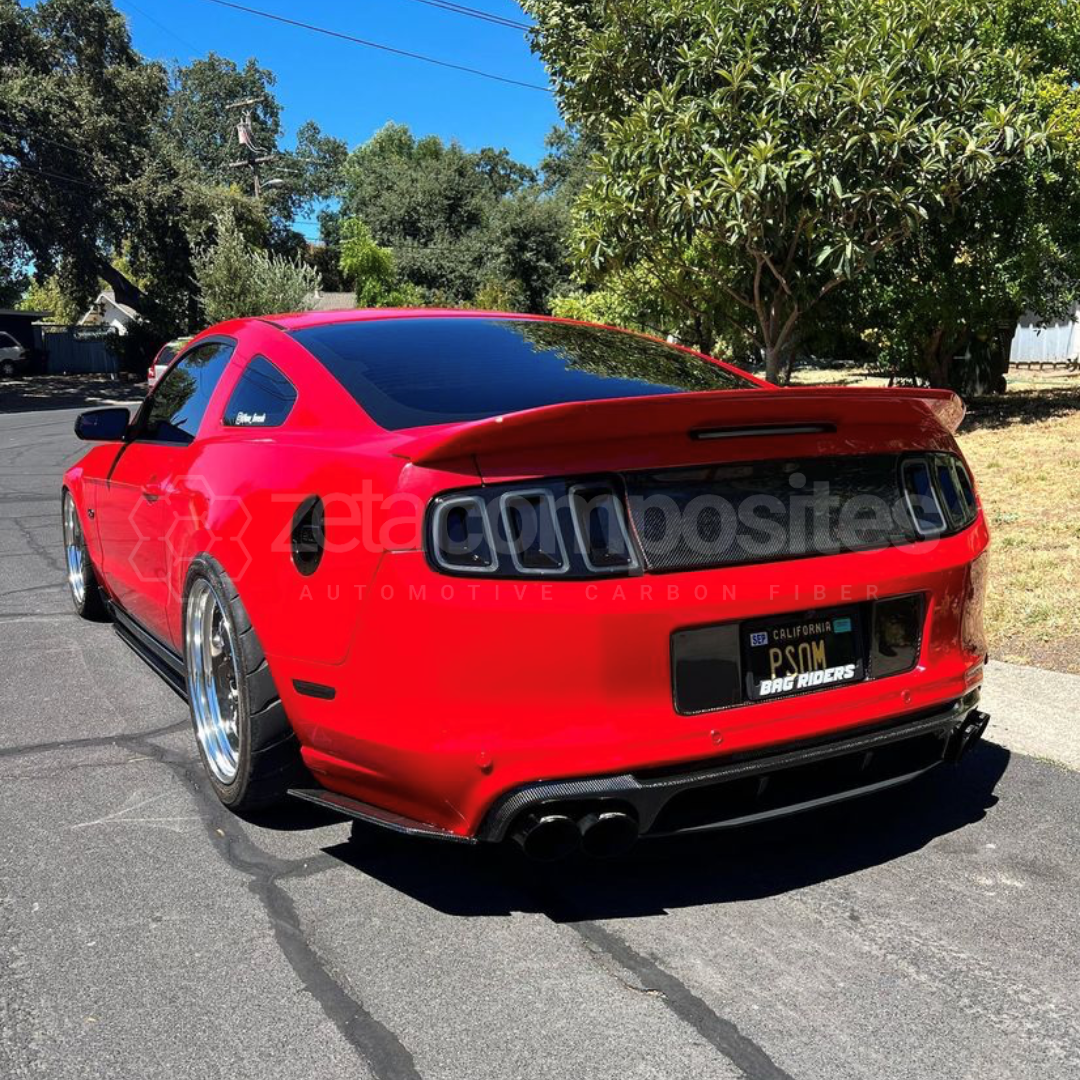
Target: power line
x=376, y=45
x=475, y=13
x=59, y=176
x=31, y=133
x=172, y=33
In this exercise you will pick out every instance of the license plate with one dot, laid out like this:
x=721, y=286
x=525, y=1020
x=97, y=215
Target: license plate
x=811, y=652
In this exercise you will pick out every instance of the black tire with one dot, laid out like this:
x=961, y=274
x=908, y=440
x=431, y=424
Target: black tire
x=83, y=588
x=268, y=758
x=7, y=369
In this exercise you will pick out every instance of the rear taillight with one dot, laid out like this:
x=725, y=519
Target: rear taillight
x=461, y=536
x=939, y=493
x=557, y=528
x=530, y=528
x=922, y=497
x=600, y=529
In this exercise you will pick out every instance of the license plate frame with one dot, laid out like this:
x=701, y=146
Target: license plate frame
x=791, y=655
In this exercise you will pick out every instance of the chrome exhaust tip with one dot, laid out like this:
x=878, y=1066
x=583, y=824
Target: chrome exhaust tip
x=547, y=838
x=608, y=833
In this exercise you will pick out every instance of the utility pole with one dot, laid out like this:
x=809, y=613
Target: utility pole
x=254, y=156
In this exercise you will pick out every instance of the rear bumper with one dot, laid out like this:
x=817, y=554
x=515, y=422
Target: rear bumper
x=756, y=786
x=454, y=696
x=737, y=791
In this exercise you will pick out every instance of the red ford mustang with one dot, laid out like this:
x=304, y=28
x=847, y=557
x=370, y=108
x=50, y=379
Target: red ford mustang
x=479, y=576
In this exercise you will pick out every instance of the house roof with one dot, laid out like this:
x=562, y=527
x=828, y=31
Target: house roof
x=107, y=296
x=24, y=314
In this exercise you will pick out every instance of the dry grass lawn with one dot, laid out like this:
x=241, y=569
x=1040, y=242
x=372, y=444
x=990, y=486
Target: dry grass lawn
x=1024, y=450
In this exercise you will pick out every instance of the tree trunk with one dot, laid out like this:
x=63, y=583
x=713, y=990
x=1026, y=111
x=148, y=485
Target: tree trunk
x=937, y=359
x=777, y=367
x=124, y=290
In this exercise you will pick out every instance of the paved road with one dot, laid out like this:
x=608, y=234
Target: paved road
x=144, y=932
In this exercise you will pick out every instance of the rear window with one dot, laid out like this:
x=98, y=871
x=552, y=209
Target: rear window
x=414, y=372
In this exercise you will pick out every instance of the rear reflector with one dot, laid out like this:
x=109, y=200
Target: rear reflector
x=896, y=635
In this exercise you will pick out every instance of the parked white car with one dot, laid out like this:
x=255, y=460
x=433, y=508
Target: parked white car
x=163, y=359
x=13, y=357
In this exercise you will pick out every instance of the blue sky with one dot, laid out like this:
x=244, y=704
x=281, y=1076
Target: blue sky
x=352, y=91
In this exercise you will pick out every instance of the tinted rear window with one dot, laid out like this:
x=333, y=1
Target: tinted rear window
x=412, y=372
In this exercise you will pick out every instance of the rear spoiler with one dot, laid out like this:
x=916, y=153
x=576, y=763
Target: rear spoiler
x=712, y=414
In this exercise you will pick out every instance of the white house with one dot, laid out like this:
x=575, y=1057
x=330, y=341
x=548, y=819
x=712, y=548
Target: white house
x=106, y=312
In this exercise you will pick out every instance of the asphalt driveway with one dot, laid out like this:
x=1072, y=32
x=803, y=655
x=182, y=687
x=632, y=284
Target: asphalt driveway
x=145, y=932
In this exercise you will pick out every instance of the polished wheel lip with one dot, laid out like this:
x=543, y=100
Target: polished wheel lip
x=213, y=675
x=73, y=551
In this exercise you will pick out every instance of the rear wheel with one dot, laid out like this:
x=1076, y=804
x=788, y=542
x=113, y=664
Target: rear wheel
x=246, y=742
x=82, y=583
x=7, y=369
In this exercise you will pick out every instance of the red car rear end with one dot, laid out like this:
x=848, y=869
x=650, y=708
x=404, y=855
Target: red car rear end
x=517, y=577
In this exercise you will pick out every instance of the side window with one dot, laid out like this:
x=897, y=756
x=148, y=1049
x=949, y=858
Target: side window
x=263, y=397
x=175, y=409
x=7, y=341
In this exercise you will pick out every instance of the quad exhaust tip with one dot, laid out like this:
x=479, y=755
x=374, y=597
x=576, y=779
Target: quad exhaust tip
x=602, y=834
x=608, y=833
x=549, y=837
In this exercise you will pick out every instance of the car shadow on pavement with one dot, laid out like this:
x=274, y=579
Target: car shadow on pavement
x=710, y=868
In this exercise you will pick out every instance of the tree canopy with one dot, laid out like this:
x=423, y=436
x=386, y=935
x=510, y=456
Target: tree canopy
x=757, y=155
x=462, y=225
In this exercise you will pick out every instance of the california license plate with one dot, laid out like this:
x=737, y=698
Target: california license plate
x=795, y=655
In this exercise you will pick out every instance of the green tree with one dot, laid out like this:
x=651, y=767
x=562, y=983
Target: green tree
x=529, y=233
x=196, y=117
x=236, y=280
x=759, y=154
x=371, y=270
x=457, y=222
x=76, y=153
x=943, y=307
x=428, y=202
x=48, y=296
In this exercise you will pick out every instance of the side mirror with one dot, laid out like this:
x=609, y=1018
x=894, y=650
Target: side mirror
x=103, y=425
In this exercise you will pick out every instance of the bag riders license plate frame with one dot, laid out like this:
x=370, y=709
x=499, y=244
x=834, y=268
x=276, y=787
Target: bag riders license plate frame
x=817, y=650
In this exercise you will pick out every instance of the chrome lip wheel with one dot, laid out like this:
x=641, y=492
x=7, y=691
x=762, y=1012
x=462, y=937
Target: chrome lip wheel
x=211, y=652
x=73, y=545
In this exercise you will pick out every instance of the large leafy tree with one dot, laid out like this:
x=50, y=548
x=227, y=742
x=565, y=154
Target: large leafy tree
x=943, y=306
x=76, y=155
x=429, y=202
x=463, y=226
x=197, y=117
x=759, y=154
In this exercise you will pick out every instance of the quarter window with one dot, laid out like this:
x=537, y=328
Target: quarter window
x=175, y=410
x=263, y=397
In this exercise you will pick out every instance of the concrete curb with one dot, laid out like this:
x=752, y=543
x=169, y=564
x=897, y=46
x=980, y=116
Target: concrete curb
x=1034, y=712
